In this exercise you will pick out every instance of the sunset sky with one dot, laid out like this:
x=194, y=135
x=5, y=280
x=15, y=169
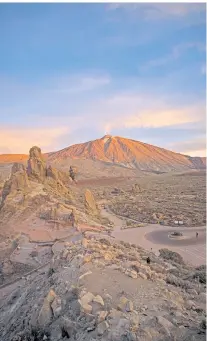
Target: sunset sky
x=70, y=73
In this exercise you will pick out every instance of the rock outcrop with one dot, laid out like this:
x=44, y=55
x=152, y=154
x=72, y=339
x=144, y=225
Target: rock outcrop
x=36, y=167
x=18, y=181
x=90, y=204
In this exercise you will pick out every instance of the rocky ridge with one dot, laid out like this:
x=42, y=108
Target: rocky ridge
x=98, y=289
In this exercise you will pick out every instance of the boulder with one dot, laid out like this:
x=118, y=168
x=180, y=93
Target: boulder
x=164, y=324
x=101, y=316
x=125, y=305
x=68, y=327
x=98, y=299
x=56, y=306
x=102, y=328
x=46, y=313
x=90, y=204
x=131, y=273
x=84, y=301
x=118, y=329
x=7, y=268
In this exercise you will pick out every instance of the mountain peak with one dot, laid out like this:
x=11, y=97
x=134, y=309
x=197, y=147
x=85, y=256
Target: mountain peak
x=129, y=153
x=107, y=137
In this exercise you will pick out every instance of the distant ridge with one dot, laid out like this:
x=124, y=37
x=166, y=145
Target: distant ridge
x=121, y=151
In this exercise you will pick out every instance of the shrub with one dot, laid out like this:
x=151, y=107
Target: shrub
x=51, y=272
x=178, y=282
x=201, y=275
x=203, y=324
x=201, y=268
x=105, y=241
x=171, y=256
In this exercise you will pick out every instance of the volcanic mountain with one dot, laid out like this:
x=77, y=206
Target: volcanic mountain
x=129, y=153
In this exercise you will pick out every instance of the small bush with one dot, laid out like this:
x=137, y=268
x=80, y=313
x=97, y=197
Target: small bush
x=171, y=256
x=51, y=272
x=203, y=324
x=201, y=275
x=201, y=268
x=178, y=282
x=105, y=241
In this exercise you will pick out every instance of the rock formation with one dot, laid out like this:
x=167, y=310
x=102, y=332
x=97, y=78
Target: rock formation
x=73, y=172
x=90, y=203
x=18, y=181
x=36, y=168
x=136, y=188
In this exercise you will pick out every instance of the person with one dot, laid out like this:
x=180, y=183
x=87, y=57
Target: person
x=196, y=234
x=148, y=260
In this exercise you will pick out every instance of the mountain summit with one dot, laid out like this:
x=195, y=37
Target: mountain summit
x=129, y=153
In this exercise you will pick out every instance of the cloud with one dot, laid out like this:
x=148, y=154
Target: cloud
x=155, y=117
x=176, y=52
x=194, y=147
x=203, y=69
x=107, y=108
x=157, y=11
x=20, y=140
x=78, y=84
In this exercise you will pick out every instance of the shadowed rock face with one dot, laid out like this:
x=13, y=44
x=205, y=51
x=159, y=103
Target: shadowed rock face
x=36, y=167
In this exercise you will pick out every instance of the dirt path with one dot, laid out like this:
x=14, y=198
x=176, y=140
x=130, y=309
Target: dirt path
x=154, y=237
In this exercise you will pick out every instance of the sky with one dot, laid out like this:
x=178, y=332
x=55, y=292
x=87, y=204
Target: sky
x=70, y=73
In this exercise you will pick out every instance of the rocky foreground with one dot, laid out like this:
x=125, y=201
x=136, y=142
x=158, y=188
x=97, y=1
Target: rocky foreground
x=98, y=289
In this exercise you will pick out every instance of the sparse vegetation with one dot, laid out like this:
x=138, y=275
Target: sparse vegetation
x=171, y=256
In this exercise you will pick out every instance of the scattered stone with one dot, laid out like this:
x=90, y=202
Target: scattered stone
x=125, y=305
x=86, y=308
x=85, y=242
x=189, y=305
x=85, y=274
x=98, y=299
x=118, y=329
x=131, y=273
x=46, y=312
x=102, y=316
x=165, y=324
x=102, y=327
x=87, y=259
x=56, y=306
x=7, y=268
x=68, y=327
x=142, y=275
x=84, y=303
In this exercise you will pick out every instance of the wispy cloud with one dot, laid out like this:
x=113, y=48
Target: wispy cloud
x=106, y=109
x=176, y=52
x=203, y=69
x=20, y=140
x=136, y=112
x=194, y=147
x=82, y=83
x=155, y=11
